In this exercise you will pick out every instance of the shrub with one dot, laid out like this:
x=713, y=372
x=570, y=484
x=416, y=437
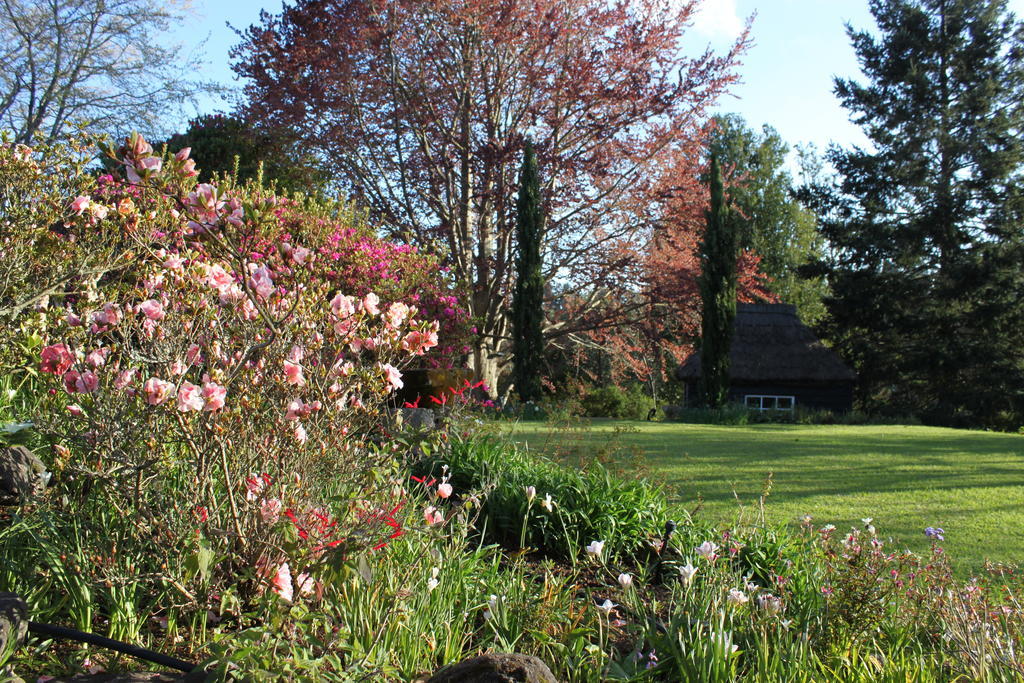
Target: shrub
x=224, y=392
x=566, y=509
x=613, y=401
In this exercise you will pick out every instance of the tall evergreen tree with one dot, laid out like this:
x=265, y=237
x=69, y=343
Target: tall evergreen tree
x=926, y=227
x=775, y=226
x=528, y=299
x=718, y=292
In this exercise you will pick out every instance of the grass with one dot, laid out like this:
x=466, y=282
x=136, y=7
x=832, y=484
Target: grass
x=969, y=483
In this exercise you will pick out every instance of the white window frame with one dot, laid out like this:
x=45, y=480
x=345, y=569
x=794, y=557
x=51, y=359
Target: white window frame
x=760, y=399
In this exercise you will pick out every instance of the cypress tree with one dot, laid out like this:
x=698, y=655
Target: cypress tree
x=718, y=293
x=925, y=228
x=528, y=298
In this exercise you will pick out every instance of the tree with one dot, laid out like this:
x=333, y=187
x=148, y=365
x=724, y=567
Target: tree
x=101, y=63
x=775, y=226
x=925, y=228
x=717, y=292
x=422, y=109
x=528, y=302
x=217, y=141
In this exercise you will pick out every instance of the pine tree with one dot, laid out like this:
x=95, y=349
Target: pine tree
x=926, y=228
x=528, y=299
x=718, y=292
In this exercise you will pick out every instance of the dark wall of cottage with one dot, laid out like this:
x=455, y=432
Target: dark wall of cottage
x=834, y=396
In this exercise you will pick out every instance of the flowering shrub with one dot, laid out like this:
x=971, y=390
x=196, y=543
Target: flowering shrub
x=48, y=244
x=229, y=361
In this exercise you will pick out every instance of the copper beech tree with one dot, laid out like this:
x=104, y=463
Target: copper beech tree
x=422, y=108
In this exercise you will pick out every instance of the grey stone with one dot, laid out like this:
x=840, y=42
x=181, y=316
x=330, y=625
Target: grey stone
x=417, y=418
x=13, y=624
x=22, y=475
x=496, y=668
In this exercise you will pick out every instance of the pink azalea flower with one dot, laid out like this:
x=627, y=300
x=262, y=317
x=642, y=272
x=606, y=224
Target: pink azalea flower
x=80, y=205
x=150, y=165
x=72, y=320
x=71, y=381
x=152, y=309
x=282, y=582
x=343, y=306
x=193, y=355
x=297, y=409
x=293, y=373
x=369, y=304
x=397, y=314
x=254, y=484
x=300, y=434
x=217, y=277
x=157, y=390
x=97, y=358
x=213, y=395
x=300, y=255
x=183, y=154
x=124, y=378
x=305, y=583
x=190, y=398
x=174, y=262
x=433, y=516
x=231, y=294
x=110, y=315
x=87, y=382
x=56, y=359
x=296, y=354
x=393, y=377
x=261, y=281
x=270, y=510
x=444, y=490
x=178, y=368
x=75, y=409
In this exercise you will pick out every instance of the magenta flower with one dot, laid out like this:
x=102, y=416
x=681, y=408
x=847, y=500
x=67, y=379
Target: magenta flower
x=56, y=359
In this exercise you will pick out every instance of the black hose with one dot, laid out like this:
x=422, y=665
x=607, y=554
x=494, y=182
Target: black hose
x=110, y=644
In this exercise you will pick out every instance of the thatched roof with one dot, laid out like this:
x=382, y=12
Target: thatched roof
x=771, y=344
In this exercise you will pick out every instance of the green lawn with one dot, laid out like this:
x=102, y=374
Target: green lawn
x=969, y=483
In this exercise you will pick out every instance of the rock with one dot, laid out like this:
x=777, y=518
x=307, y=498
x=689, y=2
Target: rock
x=496, y=668
x=417, y=418
x=22, y=475
x=13, y=624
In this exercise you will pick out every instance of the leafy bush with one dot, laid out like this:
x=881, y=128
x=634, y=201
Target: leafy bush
x=613, y=401
x=566, y=508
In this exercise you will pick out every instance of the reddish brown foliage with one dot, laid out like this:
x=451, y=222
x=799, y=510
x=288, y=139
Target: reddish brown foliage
x=423, y=107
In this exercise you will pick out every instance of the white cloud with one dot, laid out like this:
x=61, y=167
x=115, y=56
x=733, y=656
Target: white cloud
x=718, y=19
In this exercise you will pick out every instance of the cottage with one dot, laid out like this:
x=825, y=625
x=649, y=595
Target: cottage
x=777, y=363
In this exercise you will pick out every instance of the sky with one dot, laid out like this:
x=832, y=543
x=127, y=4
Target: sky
x=799, y=46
